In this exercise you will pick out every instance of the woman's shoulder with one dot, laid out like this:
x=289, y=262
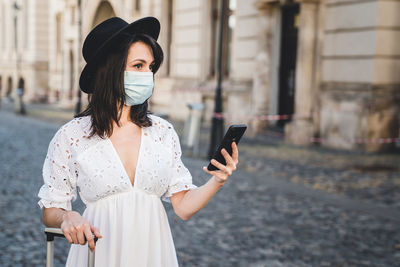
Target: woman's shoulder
x=163, y=129
x=78, y=126
x=77, y=123
x=160, y=123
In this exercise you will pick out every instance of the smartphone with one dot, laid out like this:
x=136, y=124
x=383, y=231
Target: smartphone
x=234, y=133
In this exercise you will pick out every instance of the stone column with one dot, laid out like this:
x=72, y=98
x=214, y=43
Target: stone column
x=263, y=64
x=301, y=129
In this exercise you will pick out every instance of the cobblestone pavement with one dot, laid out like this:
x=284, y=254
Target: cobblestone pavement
x=262, y=217
x=354, y=174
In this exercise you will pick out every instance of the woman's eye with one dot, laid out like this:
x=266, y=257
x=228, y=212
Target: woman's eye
x=138, y=66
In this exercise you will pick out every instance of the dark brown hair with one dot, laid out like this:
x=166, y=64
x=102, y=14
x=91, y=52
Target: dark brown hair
x=108, y=88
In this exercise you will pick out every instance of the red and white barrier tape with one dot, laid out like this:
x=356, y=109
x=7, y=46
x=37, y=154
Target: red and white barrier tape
x=259, y=117
x=194, y=89
x=360, y=140
x=274, y=117
x=312, y=139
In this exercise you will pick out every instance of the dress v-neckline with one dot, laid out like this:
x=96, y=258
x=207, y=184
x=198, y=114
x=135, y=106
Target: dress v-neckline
x=137, y=162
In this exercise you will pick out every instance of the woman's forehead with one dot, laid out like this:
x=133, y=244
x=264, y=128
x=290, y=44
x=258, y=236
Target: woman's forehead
x=140, y=50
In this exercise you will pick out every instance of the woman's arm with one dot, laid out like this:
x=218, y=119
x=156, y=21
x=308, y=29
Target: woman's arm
x=53, y=217
x=75, y=228
x=189, y=202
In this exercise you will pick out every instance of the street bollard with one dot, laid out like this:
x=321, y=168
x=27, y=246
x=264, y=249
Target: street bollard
x=192, y=127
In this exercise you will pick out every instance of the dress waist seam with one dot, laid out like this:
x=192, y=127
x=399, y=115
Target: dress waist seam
x=89, y=203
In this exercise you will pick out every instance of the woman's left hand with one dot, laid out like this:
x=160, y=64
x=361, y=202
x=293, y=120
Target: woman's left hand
x=224, y=171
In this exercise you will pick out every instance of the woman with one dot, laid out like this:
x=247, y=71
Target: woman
x=123, y=159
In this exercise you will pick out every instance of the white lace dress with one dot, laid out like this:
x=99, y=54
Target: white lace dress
x=131, y=218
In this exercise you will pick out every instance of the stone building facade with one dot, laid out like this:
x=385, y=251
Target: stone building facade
x=331, y=65
x=23, y=46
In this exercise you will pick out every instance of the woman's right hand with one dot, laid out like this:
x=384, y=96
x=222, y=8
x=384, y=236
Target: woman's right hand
x=76, y=229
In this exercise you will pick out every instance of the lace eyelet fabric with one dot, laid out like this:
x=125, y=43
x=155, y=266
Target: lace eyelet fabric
x=128, y=215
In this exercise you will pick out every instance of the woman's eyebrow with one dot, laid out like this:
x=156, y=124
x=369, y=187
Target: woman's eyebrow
x=141, y=60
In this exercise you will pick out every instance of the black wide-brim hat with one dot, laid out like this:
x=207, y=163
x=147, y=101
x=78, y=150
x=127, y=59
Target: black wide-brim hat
x=104, y=36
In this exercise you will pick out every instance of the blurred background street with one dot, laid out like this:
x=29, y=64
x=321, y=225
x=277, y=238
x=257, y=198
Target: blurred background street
x=285, y=206
x=316, y=82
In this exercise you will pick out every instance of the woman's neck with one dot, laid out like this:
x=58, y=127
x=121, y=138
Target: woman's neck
x=125, y=117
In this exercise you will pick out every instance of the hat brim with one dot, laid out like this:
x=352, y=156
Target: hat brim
x=149, y=26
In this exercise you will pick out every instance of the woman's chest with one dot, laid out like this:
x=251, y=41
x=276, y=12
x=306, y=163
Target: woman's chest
x=102, y=173
x=126, y=144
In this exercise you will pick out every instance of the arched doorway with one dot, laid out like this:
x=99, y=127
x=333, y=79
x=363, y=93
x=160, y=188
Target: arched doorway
x=103, y=12
x=288, y=56
x=9, y=87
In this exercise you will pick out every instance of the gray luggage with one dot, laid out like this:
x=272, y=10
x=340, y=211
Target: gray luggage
x=53, y=232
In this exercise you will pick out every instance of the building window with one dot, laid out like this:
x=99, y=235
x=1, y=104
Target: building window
x=104, y=11
x=228, y=22
x=137, y=5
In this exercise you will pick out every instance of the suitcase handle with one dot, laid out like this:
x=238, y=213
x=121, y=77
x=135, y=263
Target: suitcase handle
x=57, y=232
x=53, y=232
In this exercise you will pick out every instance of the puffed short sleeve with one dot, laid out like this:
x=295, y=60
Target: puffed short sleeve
x=59, y=187
x=180, y=177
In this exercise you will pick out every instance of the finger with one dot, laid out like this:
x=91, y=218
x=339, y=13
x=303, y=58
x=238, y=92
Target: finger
x=228, y=158
x=218, y=174
x=67, y=236
x=89, y=238
x=235, y=152
x=208, y=171
x=80, y=234
x=221, y=167
x=72, y=232
x=95, y=231
x=217, y=164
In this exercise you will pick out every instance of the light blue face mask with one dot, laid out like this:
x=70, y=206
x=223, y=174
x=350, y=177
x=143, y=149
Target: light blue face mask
x=138, y=87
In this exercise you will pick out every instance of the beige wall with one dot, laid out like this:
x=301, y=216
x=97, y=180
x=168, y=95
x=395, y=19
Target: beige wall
x=360, y=81
x=245, y=41
x=350, y=42
x=32, y=29
x=186, y=38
